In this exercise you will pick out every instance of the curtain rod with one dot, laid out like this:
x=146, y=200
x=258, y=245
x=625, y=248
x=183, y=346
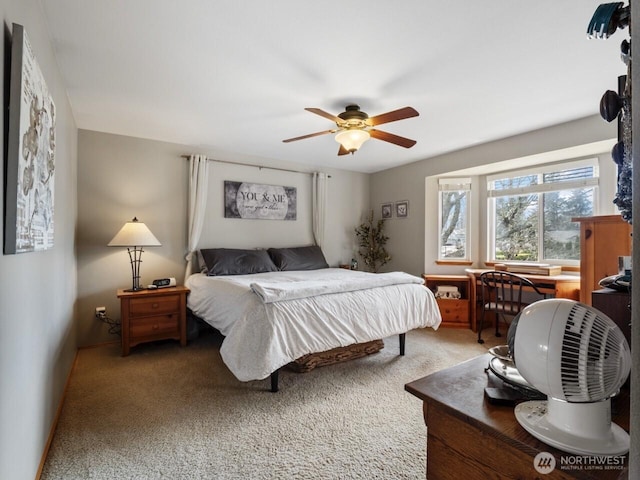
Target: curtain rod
x=253, y=165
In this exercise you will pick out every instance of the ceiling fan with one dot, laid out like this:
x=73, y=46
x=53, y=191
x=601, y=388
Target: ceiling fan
x=354, y=127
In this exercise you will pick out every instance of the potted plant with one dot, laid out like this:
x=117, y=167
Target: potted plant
x=372, y=240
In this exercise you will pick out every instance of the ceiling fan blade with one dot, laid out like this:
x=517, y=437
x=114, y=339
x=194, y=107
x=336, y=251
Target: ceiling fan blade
x=343, y=151
x=400, y=114
x=308, y=136
x=324, y=114
x=391, y=138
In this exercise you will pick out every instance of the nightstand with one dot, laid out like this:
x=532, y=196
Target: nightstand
x=454, y=311
x=149, y=315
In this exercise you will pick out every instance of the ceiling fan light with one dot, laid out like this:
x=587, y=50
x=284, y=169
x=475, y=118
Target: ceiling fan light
x=352, y=139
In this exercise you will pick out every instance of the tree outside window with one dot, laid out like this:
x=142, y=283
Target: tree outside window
x=561, y=235
x=517, y=228
x=454, y=219
x=531, y=214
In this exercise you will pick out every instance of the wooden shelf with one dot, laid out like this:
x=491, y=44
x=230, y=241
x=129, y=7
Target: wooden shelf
x=602, y=240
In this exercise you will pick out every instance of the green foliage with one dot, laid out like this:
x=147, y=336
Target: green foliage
x=517, y=225
x=371, y=241
x=561, y=235
x=517, y=228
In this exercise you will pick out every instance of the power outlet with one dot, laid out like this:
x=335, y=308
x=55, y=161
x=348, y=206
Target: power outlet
x=101, y=312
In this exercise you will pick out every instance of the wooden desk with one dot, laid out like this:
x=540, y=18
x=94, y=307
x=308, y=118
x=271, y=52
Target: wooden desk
x=469, y=438
x=558, y=286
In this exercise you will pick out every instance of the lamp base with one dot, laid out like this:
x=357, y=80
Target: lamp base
x=137, y=289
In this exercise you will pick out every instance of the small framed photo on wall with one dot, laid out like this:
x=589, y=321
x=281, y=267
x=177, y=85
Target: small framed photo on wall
x=402, y=209
x=387, y=210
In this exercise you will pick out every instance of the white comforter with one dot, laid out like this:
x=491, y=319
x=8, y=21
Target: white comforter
x=271, y=319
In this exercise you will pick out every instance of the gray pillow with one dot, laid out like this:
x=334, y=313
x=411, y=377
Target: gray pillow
x=233, y=261
x=298, y=258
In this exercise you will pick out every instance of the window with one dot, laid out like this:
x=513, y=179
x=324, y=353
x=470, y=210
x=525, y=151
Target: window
x=530, y=212
x=453, y=241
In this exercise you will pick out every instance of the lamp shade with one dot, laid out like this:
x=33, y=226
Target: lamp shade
x=352, y=139
x=134, y=234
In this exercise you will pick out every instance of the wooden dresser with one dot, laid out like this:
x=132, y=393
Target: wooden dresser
x=469, y=438
x=617, y=306
x=149, y=315
x=602, y=240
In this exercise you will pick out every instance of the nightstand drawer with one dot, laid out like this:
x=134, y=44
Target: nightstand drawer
x=140, y=307
x=454, y=310
x=158, y=325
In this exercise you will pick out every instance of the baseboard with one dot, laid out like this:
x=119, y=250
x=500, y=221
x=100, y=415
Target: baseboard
x=54, y=424
x=101, y=344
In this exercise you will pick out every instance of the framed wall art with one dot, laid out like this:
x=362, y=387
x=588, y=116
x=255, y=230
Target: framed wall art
x=257, y=201
x=386, y=210
x=30, y=162
x=402, y=209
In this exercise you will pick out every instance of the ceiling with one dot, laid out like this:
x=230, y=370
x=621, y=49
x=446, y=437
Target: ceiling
x=232, y=78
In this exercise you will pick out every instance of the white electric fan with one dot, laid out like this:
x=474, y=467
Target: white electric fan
x=579, y=358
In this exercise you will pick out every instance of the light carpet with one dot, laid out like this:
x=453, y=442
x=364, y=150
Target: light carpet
x=166, y=412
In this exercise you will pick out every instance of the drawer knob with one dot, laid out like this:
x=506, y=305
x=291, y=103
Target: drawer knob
x=154, y=305
x=156, y=326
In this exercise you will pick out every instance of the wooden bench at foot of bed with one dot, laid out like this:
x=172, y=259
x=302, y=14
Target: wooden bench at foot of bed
x=310, y=361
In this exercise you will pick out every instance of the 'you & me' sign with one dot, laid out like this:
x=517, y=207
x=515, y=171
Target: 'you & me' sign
x=253, y=200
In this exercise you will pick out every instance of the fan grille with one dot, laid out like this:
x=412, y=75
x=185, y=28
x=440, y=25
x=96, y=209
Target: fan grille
x=593, y=356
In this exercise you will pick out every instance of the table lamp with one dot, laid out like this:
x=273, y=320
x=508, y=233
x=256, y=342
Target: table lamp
x=134, y=235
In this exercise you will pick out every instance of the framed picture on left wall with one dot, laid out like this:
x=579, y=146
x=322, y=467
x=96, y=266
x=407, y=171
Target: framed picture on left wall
x=31, y=145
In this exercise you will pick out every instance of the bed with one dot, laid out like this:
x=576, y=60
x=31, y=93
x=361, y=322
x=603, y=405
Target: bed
x=277, y=305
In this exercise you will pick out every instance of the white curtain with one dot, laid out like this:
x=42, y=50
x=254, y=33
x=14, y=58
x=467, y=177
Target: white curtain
x=198, y=185
x=319, y=200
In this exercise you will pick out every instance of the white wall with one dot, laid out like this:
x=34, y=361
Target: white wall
x=407, y=236
x=347, y=197
x=121, y=177
x=37, y=335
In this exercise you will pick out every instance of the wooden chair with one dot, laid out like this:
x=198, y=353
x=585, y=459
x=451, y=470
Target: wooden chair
x=501, y=293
